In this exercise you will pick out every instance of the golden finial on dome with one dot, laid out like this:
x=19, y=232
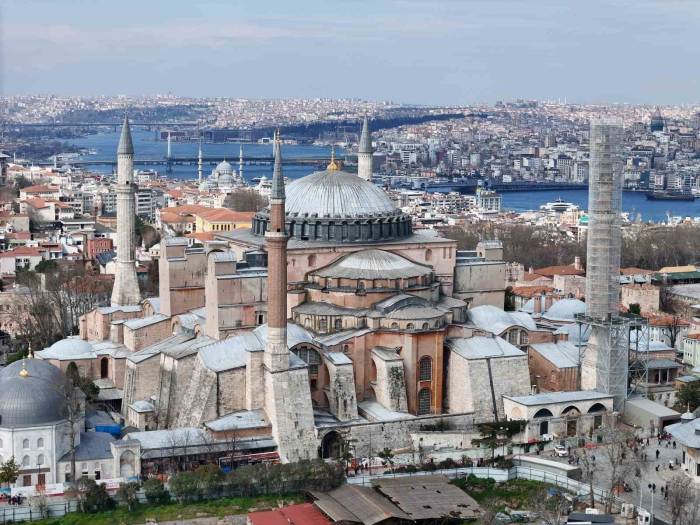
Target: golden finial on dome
x=24, y=372
x=333, y=165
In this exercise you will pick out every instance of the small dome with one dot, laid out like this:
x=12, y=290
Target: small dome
x=31, y=394
x=373, y=264
x=336, y=194
x=565, y=310
x=69, y=348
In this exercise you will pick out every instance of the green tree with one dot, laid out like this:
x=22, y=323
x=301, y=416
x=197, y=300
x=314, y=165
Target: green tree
x=497, y=434
x=9, y=471
x=184, y=486
x=127, y=494
x=210, y=479
x=155, y=492
x=387, y=456
x=46, y=265
x=635, y=309
x=688, y=397
x=93, y=497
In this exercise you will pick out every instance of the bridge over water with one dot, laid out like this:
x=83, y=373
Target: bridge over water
x=249, y=159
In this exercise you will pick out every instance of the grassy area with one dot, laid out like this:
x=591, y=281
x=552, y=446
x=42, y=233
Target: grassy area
x=174, y=511
x=515, y=493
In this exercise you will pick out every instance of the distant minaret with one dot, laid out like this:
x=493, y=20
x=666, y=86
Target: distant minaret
x=199, y=162
x=168, y=155
x=364, y=153
x=287, y=391
x=126, y=286
x=240, y=163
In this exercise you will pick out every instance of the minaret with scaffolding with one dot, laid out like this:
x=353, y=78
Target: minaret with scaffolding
x=605, y=365
x=240, y=164
x=199, y=162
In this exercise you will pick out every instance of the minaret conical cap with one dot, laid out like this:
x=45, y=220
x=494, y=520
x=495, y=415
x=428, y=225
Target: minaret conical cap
x=126, y=146
x=277, y=190
x=365, y=145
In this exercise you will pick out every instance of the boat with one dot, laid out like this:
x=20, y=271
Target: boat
x=669, y=196
x=558, y=206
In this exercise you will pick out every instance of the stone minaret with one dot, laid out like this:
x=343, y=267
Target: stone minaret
x=199, y=162
x=240, y=163
x=287, y=391
x=364, y=153
x=126, y=286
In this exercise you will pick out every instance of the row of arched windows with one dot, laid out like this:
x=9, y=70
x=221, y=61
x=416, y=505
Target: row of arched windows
x=26, y=462
x=26, y=444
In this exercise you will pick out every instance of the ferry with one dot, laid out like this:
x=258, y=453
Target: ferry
x=558, y=206
x=670, y=196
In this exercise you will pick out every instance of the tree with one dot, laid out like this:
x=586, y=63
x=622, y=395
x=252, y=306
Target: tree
x=635, y=309
x=9, y=471
x=93, y=496
x=210, y=479
x=680, y=496
x=688, y=397
x=245, y=200
x=155, y=492
x=127, y=494
x=497, y=434
x=388, y=457
x=184, y=486
x=550, y=508
x=618, y=453
x=46, y=265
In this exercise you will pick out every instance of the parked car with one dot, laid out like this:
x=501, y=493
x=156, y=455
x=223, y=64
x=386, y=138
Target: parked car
x=560, y=451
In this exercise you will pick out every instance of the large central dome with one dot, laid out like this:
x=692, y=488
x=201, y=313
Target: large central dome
x=336, y=194
x=337, y=206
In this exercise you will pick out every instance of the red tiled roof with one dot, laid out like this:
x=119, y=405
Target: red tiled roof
x=531, y=291
x=40, y=188
x=302, y=514
x=224, y=214
x=23, y=250
x=551, y=271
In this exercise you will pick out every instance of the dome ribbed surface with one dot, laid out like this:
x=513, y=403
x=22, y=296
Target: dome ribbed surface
x=34, y=400
x=336, y=194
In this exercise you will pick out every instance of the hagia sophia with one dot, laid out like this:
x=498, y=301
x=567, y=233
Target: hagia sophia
x=330, y=320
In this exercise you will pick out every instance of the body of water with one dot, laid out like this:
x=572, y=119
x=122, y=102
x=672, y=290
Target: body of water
x=633, y=202
x=146, y=146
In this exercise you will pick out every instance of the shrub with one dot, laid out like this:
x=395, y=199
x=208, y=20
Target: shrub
x=210, y=479
x=93, y=496
x=155, y=492
x=127, y=494
x=448, y=463
x=184, y=486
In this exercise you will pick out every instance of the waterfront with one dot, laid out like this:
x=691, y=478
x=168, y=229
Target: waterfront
x=105, y=146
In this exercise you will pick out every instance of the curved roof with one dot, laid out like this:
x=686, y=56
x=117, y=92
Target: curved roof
x=32, y=399
x=565, y=310
x=223, y=167
x=336, y=194
x=494, y=320
x=68, y=348
x=373, y=264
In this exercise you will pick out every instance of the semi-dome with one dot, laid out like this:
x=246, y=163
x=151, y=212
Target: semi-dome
x=565, y=310
x=336, y=194
x=31, y=394
x=68, y=348
x=373, y=264
x=334, y=205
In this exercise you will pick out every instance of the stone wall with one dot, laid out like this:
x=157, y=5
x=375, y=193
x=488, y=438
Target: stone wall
x=181, y=283
x=341, y=391
x=141, y=381
x=137, y=339
x=481, y=283
x=390, y=384
x=646, y=296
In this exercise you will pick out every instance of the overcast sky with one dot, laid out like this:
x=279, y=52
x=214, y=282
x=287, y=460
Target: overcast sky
x=415, y=51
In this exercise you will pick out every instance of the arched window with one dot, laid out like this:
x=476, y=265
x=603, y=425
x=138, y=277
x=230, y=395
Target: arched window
x=394, y=325
x=104, y=368
x=428, y=254
x=338, y=324
x=312, y=261
x=40, y=460
x=40, y=443
x=513, y=337
x=410, y=326
x=25, y=461
x=312, y=358
x=425, y=326
x=425, y=369
x=424, y=399
x=542, y=412
x=323, y=324
x=25, y=443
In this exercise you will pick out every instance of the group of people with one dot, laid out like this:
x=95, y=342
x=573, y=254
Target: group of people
x=12, y=500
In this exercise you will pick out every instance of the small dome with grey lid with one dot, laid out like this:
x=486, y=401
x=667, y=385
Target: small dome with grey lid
x=31, y=394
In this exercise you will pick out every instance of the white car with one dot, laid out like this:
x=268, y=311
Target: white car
x=560, y=451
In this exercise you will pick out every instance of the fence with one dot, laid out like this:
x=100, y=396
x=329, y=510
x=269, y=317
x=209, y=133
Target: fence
x=15, y=513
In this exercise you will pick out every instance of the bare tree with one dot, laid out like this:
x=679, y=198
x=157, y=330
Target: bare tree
x=550, y=508
x=245, y=200
x=618, y=453
x=680, y=496
x=588, y=469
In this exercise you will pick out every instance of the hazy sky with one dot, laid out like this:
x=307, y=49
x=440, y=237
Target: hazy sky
x=420, y=51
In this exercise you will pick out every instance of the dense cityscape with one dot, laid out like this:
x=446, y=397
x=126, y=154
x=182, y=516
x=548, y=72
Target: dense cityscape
x=319, y=310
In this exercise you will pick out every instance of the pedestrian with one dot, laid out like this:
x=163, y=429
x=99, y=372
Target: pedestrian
x=657, y=468
x=657, y=453
x=674, y=444
x=653, y=488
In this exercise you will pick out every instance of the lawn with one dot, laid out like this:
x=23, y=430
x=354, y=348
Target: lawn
x=515, y=493
x=219, y=508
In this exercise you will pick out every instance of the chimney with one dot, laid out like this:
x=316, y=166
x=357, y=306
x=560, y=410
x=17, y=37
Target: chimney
x=577, y=263
x=538, y=304
x=530, y=270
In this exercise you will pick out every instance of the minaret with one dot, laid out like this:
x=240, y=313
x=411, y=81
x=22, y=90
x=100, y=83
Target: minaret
x=287, y=391
x=240, y=163
x=364, y=153
x=168, y=155
x=126, y=286
x=199, y=162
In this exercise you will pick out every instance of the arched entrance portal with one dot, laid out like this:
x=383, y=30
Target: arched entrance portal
x=104, y=368
x=127, y=465
x=330, y=445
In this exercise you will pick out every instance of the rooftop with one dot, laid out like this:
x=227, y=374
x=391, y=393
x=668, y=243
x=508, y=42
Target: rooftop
x=549, y=398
